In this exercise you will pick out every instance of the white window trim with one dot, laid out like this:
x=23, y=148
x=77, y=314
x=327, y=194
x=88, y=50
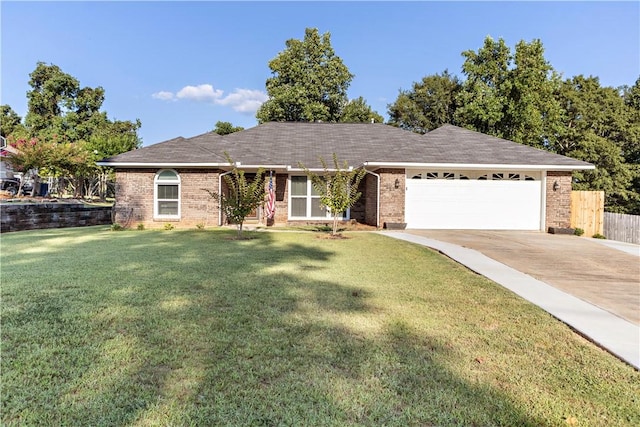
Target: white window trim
x=156, y=215
x=309, y=197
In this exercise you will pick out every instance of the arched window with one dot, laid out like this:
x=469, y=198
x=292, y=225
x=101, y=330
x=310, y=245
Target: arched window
x=166, y=197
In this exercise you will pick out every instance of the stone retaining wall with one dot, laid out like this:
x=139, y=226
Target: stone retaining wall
x=30, y=216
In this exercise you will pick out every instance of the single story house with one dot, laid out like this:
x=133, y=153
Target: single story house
x=449, y=178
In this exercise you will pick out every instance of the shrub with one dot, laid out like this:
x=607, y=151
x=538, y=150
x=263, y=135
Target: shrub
x=598, y=236
x=200, y=226
x=140, y=227
x=578, y=232
x=116, y=227
x=168, y=226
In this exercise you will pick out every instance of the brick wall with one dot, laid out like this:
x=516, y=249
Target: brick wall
x=370, y=198
x=134, y=198
x=558, y=203
x=282, y=194
x=359, y=208
x=391, y=198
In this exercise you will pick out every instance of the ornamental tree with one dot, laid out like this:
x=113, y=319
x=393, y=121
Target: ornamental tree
x=243, y=195
x=338, y=187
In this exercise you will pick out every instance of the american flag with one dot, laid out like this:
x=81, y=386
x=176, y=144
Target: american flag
x=271, y=199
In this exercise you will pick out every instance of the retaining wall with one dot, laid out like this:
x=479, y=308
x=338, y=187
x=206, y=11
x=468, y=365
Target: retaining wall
x=30, y=216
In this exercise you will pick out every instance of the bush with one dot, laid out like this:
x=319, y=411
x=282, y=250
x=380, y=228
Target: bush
x=116, y=227
x=168, y=226
x=200, y=226
x=578, y=232
x=140, y=227
x=598, y=236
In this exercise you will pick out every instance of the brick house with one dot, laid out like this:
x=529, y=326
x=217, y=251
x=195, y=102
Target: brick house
x=449, y=178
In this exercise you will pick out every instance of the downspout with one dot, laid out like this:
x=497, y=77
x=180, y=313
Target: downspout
x=377, y=198
x=220, y=196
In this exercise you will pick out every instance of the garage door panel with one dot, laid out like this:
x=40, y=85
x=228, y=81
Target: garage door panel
x=473, y=204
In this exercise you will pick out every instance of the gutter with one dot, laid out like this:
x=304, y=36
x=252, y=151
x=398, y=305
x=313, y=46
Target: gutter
x=477, y=166
x=160, y=165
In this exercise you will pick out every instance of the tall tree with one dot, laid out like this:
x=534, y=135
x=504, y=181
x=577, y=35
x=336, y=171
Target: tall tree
x=309, y=82
x=428, y=105
x=60, y=111
x=484, y=96
x=225, y=128
x=599, y=128
x=532, y=114
x=358, y=111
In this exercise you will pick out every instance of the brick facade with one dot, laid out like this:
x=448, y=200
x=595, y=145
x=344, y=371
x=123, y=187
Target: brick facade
x=135, y=189
x=392, y=192
x=370, y=198
x=134, y=198
x=558, y=202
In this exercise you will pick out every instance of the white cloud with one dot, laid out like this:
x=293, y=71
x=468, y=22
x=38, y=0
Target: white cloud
x=163, y=95
x=204, y=92
x=244, y=100
x=241, y=100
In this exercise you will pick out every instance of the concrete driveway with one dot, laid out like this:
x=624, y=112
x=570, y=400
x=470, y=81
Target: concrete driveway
x=599, y=274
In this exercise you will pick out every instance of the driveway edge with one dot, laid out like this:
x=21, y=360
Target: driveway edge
x=616, y=335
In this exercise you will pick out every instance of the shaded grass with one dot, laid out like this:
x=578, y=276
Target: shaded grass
x=194, y=328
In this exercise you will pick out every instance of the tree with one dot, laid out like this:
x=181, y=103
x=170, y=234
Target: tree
x=10, y=121
x=309, y=82
x=61, y=111
x=430, y=104
x=484, y=93
x=31, y=156
x=225, y=128
x=242, y=196
x=338, y=188
x=533, y=114
x=601, y=129
x=358, y=111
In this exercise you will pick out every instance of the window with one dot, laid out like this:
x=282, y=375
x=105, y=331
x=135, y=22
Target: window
x=305, y=200
x=166, y=202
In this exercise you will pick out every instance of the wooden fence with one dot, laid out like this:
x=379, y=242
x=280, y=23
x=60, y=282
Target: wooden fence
x=587, y=211
x=622, y=227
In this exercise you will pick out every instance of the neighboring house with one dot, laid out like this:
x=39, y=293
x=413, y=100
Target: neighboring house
x=6, y=171
x=450, y=178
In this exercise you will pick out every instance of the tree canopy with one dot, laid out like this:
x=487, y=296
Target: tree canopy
x=66, y=128
x=358, y=111
x=309, y=82
x=225, y=128
x=519, y=96
x=431, y=103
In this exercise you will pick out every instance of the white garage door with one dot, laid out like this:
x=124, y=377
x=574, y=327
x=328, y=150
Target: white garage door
x=474, y=204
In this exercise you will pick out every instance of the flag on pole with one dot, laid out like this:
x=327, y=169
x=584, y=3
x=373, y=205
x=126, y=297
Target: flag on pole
x=271, y=198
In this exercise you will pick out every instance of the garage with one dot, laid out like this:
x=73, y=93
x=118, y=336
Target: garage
x=474, y=200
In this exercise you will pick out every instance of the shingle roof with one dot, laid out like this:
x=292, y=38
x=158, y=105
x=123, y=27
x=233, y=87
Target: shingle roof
x=288, y=144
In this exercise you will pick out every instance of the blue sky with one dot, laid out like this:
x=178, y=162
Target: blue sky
x=181, y=66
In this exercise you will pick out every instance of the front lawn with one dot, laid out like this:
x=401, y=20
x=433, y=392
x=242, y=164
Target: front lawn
x=143, y=328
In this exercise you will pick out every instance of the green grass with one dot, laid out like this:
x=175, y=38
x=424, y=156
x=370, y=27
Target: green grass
x=192, y=327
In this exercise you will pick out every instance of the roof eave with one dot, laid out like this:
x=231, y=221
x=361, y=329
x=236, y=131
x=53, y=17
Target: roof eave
x=478, y=166
x=159, y=165
x=224, y=165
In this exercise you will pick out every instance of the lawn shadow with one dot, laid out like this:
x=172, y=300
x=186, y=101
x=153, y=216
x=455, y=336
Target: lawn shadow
x=193, y=329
